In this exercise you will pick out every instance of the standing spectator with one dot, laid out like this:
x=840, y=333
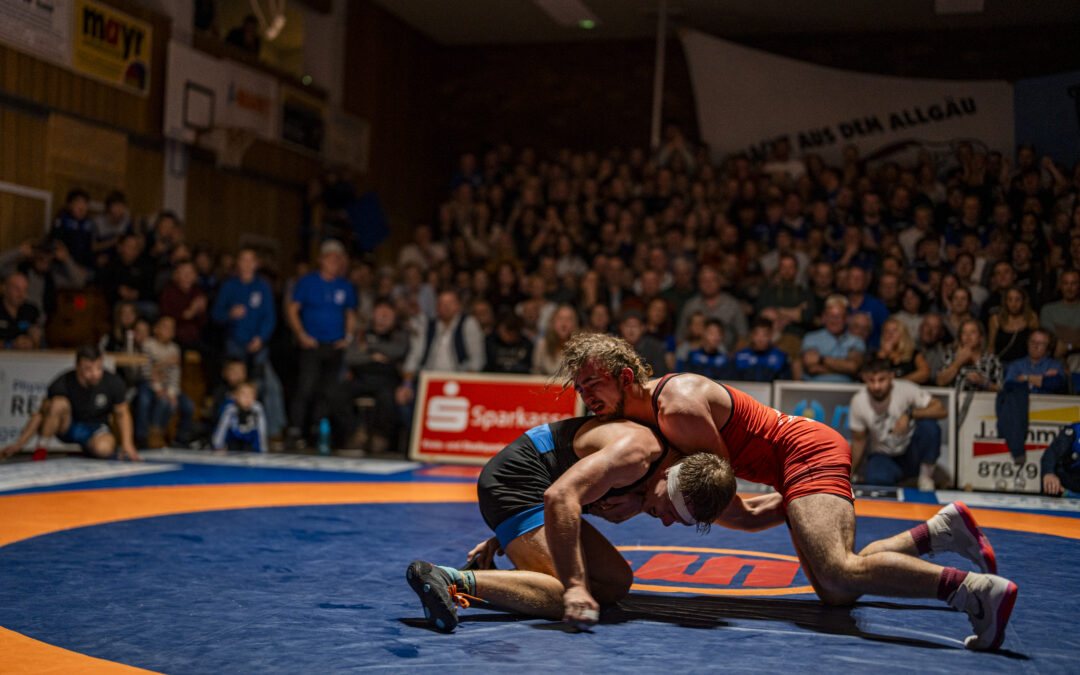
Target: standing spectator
x=715, y=304
x=831, y=354
x=709, y=360
x=322, y=316
x=507, y=349
x=48, y=268
x=762, y=361
x=74, y=228
x=242, y=425
x=451, y=342
x=896, y=423
x=129, y=276
x=1062, y=318
x=547, y=353
x=374, y=362
x=77, y=409
x=1042, y=374
x=20, y=322
x=159, y=395
x=186, y=303
x=109, y=227
x=1011, y=326
x=245, y=306
x=968, y=365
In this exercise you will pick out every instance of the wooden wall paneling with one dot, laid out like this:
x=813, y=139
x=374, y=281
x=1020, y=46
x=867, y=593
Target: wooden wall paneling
x=84, y=155
x=144, y=185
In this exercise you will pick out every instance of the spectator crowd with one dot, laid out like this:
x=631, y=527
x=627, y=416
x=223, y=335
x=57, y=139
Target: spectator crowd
x=960, y=271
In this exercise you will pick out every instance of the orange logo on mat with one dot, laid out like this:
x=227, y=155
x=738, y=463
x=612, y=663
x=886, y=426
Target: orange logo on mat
x=716, y=571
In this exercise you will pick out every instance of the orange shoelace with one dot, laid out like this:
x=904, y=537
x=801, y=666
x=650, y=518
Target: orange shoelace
x=462, y=599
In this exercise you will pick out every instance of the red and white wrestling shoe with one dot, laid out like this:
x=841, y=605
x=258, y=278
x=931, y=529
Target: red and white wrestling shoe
x=988, y=601
x=953, y=528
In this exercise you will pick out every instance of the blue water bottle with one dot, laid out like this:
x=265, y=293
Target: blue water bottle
x=324, y=437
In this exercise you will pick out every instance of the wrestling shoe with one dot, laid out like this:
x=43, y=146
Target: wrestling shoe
x=988, y=601
x=438, y=594
x=953, y=528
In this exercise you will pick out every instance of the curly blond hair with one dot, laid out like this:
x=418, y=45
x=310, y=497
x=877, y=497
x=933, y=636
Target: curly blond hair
x=610, y=353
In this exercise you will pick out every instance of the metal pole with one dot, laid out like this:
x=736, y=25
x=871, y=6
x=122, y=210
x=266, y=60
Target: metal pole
x=658, y=73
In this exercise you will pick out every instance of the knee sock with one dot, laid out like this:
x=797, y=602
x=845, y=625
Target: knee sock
x=950, y=580
x=921, y=534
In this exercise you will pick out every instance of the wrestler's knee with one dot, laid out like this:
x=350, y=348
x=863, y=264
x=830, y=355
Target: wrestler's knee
x=102, y=445
x=56, y=406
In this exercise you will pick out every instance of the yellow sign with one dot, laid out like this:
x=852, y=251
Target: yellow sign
x=112, y=46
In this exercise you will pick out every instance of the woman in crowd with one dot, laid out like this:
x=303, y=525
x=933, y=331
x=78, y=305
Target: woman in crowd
x=548, y=351
x=899, y=349
x=1011, y=326
x=911, y=310
x=968, y=365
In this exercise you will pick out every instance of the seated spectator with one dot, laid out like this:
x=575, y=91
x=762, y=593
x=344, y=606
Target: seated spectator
x=246, y=35
x=894, y=425
x=1060, y=466
x=547, y=353
x=20, y=322
x=1062, y=318
x=785, y=302
x=233, y=372
x=660, y=323
x=709, y=360
x=832, y=354
x=861, y=326
x=74, y=228
x=109, y=227
x=508, y=350
x=1012, y=325
x=715, y=304
x=861, y=302
x=968, y=365
x=911, y=310
x=959, y=309
x=242, y=425
x=159, y=395
x=77, y=409
x=47, y=267
x=651, y=348
x=186, y=303
x=422, y=251
x=890, y=289
x=451, y=342
x=413, y=296
x=121, y=339
x=480, y=309
x=1002, y=278
x=761, y=361
x=598, y=319
x=130, y=276
x=898, y=349
x=1042, y=374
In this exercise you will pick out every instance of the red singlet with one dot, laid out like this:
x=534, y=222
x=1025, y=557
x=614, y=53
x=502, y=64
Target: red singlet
x=795, y=455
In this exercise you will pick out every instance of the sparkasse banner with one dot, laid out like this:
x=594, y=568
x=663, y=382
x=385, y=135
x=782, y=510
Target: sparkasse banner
x=111, y=46
x=747, y=99
x=467, y=418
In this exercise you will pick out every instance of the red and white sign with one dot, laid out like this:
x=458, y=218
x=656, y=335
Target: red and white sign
x=467, y=418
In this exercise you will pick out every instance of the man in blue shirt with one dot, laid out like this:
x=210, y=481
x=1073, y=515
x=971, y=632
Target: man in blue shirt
x=322, y=316
x=245, y=306
x=761, y=361
x=860, y=302
x=1042, y=374
x=832, y=354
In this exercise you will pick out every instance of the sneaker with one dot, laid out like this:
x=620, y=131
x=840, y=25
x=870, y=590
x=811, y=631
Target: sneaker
x=926, y=484
x=953, y=528
x=40, y=455
x=988, y=601
x=438, y=594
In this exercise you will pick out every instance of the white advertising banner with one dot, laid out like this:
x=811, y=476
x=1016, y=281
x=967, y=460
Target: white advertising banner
x=985, y=462
x=41, y=29
x=203, y=92
x=830, y=403
x=747, y=99
x=24, y=379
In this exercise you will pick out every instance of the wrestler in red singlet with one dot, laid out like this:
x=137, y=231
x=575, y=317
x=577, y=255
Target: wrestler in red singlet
x=795, y=455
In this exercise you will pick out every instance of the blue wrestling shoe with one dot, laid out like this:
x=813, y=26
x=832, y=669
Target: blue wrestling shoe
x=438, y=593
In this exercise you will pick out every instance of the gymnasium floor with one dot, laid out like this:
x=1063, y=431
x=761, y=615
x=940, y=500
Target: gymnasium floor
x=193, y=563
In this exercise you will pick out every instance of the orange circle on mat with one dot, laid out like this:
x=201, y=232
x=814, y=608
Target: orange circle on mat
x=41, y=513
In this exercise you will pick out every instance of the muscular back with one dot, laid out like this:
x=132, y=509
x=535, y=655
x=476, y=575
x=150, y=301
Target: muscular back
x=690, y=412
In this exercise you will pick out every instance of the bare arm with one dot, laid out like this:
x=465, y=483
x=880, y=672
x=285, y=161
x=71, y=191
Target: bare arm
x=292, y=316
x=127, y=436
x=31, y=428
x=935, y=410
x=858, y=449
x=921, y=374
x=753, y=513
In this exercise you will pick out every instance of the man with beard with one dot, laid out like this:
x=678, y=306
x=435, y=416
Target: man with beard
x=894, y=424
x=809, y=465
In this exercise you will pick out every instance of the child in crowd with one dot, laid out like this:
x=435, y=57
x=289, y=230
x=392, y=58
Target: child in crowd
x=159, y=394
x=242, y=425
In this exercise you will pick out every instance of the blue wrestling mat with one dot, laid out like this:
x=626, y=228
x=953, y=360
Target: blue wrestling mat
x=234, y=567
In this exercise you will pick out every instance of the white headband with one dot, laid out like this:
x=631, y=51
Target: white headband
x=675, y=495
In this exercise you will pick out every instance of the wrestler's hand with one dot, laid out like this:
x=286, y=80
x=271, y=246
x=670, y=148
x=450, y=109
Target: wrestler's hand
x=484, y=552
x=618, y=509
x=580, y=610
